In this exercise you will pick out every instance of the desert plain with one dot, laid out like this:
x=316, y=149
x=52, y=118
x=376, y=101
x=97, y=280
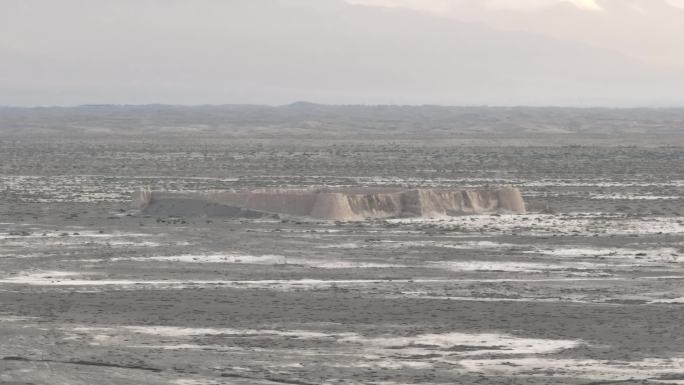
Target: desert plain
x=586, y=287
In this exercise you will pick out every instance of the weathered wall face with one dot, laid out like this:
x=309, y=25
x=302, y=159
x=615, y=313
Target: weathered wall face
x=511, y=199
x=339, y=204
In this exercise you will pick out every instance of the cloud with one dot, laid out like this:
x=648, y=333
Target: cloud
x=444, y=6
x=676, y=3
x=437, y=6
x=590, y=5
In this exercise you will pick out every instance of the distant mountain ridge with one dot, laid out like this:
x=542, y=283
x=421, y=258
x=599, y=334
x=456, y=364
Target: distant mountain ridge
x=304, y=118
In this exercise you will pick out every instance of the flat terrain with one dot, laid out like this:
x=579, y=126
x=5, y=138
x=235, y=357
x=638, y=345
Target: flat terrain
x=587, y=288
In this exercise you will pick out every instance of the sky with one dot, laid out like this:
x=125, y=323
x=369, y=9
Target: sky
x=615, y=53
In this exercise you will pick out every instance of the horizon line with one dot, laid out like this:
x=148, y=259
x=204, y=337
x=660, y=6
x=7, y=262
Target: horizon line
x=308, y=103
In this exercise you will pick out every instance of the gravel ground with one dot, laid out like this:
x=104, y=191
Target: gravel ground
x=587, y=288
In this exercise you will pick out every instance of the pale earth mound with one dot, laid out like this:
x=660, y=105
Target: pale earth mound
x=334, y=204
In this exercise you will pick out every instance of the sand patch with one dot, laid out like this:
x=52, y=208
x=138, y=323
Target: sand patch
x=477, y=344
x=647, y=369
x=519, y=267
x=64, y=278
x=330, y=263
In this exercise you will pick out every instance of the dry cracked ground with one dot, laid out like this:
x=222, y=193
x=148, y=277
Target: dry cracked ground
x=587, y=288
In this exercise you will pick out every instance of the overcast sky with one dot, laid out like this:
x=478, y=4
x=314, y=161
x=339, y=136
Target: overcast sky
x=457, y=52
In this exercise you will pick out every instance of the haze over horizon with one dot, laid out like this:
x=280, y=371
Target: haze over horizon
x=612, y=53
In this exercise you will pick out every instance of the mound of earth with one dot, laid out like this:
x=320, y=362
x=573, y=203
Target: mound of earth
x=333, y=204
